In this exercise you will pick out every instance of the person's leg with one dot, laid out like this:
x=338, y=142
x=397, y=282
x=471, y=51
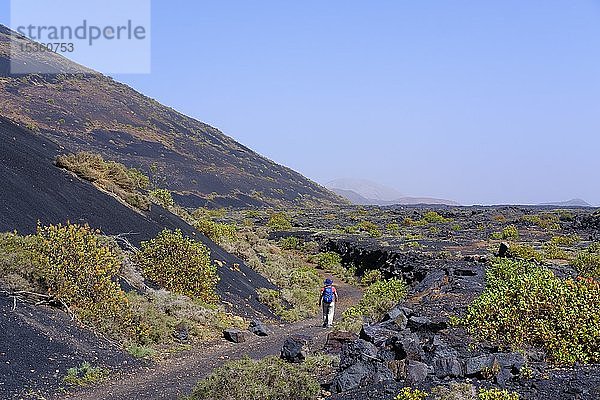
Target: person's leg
x=330, y=313
x=325, y=313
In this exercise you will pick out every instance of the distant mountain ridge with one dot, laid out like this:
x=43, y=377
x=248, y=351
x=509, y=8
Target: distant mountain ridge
x=359, y=191
x=568, y=203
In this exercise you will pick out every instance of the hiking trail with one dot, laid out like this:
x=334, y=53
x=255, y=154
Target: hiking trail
x=177, y=374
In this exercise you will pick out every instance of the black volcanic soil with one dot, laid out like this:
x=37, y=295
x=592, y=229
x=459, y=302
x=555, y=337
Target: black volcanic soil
x=33, y=189
x=39, y=344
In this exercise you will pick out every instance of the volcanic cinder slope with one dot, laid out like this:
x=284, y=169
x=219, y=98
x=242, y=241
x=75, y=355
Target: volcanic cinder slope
x=90, y=111
x=33, y=190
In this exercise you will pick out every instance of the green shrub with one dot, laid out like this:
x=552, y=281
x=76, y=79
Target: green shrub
x=411, y=394
x=85, y=375
x=587, y=261
x=544, y=220
x=298, y=298
x=525, y=305
x=371, y=277
x=510, y=232
x=279, y=221
x=290, y=243
x=393, y=228
x=141, y=351
x=377, y=299
x=565, y=240
x=17, y=271
x=328, y=260
x=432, y=217
x=555, y=252
x=270, y=378
x=216, y=231
x=369, y=227
x=525, y=252
x=162, y=197
x=79, y=270
x=179, y=264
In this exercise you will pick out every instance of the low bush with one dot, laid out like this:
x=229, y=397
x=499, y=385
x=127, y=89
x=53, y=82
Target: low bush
x=79, y=269
x=525, y=305
x=328, y=260
x=290, y=243
x=298, y=297
x=457, y=391
x=432, y=217
x=393, y=228
x=497, y=394
x=371, y=277
x=525, y=252
x=179, y=264
x=371, y=228
x=114, y=177
x=279, y=221
x=162, y=197
x=216, y=231
x=587, y=261
x=377, y=299
x=85, y=375
x=270, y=378
x=411, y=394
x=544, y=220
x=289, y=270
x=510, y=232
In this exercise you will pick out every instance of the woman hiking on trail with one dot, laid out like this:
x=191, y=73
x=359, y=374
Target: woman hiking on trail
x=327, y=300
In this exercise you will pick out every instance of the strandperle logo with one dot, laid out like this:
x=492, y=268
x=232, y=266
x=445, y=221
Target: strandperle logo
x=85, y=31
x=108, y=36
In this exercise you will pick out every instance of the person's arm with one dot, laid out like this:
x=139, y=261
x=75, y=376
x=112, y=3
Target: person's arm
x=335, y=294
x=321, y=298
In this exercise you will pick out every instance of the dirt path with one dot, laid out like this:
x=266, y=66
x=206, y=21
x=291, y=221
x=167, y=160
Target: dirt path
x=177, y=375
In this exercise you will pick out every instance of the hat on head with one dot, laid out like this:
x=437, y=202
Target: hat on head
x=328, y=281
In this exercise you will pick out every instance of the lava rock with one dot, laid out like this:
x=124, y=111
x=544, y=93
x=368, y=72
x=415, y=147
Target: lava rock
x=359, y=366
x=181, y=333
x=376, y=334
x=446, y=363
x=335, y=341
x=503, y=250
x=476, y=365
x=258, y=328
x=295, y=348
x=409, y=347
x=234, y=335
x=416, y=372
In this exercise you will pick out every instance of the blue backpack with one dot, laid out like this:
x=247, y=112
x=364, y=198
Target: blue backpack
x=328, y=294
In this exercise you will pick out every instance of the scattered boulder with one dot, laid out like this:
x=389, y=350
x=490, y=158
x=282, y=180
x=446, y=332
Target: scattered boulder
x=335, y=341
x=258, y=328
x=503, y=250
x=181, y=333
x=476, y=365
x=416, y=372
x=295, y=348
x=234, y=335
x=446, y=363
x=359, y=366
x=409, y=346
x=377, y=334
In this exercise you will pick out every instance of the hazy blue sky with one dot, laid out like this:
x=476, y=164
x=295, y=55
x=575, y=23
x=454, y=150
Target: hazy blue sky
x=476, y=101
